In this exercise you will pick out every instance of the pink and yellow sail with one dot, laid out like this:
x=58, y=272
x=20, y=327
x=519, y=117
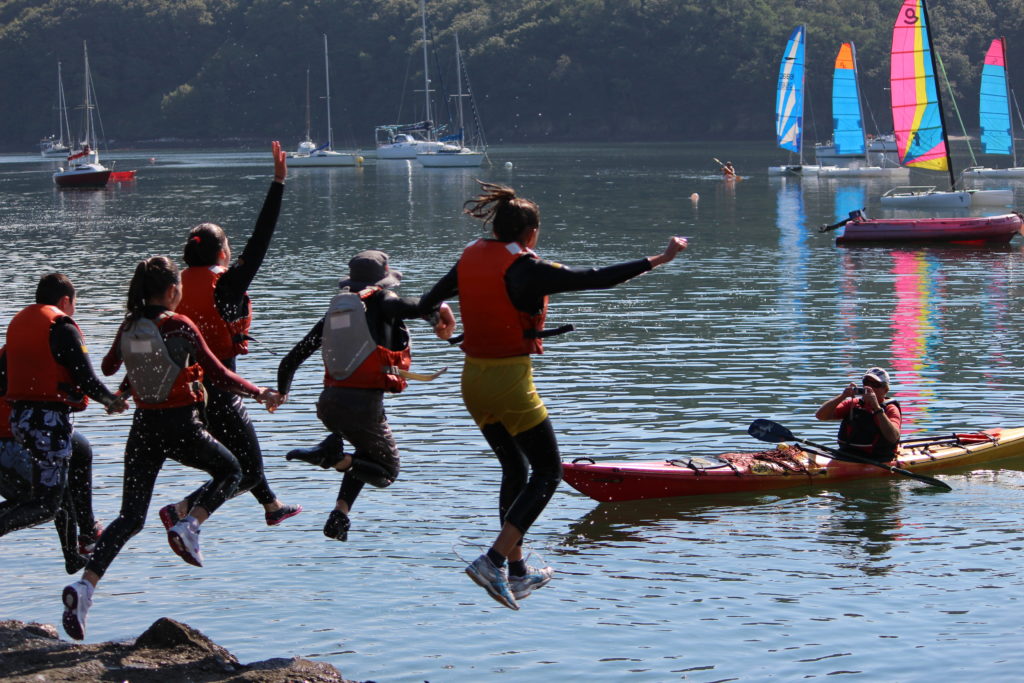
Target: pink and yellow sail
x=916, y=110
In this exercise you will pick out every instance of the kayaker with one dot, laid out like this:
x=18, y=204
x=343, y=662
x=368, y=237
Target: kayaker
x=215, y=298
x=503, y=289
x=47, y=376
x=366, y=353
x=166, y=360
x=728, y=171
x=870, y=421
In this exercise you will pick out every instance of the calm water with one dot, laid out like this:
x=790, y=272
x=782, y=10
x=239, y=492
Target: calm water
x=762, y=317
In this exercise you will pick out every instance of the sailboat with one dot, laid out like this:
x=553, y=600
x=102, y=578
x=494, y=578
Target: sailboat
x=84, y=168
x=307, y=145
x=922, y=142
x=406, y=140
x=849, y=142
x=324, y=155
x=58, y=147
x=789, y=105
x=919, y=120
x=463, y=156
x=994, y=114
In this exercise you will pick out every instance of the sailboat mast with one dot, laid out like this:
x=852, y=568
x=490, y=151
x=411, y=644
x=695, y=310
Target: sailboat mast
x=62, y=122
x=87, y=103
x=308, y=119
x=1006, y=76
x=938, y=92
x=327, y=80
x=458, y=80
x=426, y=70
x=802, y=85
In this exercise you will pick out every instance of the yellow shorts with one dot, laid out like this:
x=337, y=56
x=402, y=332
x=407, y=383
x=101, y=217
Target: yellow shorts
x=501, y=390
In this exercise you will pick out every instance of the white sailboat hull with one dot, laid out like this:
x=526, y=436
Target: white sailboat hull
x=464, y=158
x=409, y=149
x=324, y=158
x=795, y=169
x=932, y=198
x=894, y=172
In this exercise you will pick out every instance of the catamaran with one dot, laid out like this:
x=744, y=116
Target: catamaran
x=994, y=114
x=919, y=120
x=789, y=105
x=849, y=142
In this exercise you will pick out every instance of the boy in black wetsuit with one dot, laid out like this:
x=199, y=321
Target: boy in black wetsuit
x=48, y=375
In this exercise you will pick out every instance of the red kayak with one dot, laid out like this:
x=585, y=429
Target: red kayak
x=783, y=467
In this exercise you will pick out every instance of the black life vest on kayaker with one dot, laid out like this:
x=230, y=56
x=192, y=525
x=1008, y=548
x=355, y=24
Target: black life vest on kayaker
x=352, y=357
x=859, y=433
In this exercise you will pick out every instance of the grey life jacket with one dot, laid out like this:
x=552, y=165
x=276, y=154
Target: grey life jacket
x=347, y=341
x=151, y=370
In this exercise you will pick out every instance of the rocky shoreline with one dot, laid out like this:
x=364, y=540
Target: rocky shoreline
x=167, y=652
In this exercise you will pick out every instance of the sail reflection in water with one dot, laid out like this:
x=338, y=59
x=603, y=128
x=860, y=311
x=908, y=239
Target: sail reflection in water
x=913, y=334
x=791, y=220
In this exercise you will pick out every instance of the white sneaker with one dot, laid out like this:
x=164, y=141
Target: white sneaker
x=77, y=599
x=493, y=580
x=533, y=579
x=183, y=538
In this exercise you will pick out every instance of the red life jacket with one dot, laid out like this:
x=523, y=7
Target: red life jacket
x=379, y=369
x=187, y=388
x=225, y=339
x=493, y=326
x=858, y=432
x=33, y=374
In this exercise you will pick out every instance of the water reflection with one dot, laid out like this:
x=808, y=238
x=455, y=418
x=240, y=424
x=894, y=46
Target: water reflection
x=916, y=279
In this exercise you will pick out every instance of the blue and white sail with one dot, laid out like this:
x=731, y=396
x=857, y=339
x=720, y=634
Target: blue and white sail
x=847, y=120
x=789, y=103
x=994, y=110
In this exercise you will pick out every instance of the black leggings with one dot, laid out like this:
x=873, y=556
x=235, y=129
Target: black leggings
x=228, y=421
x=27, y=503
x=176, y=433
x=531, y=469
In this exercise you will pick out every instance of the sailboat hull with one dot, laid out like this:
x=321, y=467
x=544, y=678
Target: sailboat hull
x=461, y=159
x=323, y=158
x=1015, y=172
x=982, y=230
x=91, y=177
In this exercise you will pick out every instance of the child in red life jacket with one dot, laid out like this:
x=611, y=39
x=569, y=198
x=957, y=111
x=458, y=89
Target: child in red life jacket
x=365, y=348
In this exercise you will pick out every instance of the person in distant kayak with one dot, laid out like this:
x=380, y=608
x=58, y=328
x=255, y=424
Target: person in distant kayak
x=215, y=298
x=47, y=376
x=728, y=170
x=503, y=289
x=870, y=422
x=166, y=360
x=366, y=353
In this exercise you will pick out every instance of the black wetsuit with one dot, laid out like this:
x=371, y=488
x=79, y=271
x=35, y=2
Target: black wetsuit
x=357, y=415
x=226, y=417
x=531, y=465
x=174, y=432
x=68, y=501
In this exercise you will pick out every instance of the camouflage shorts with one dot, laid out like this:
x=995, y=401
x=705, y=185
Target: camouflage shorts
x=46, y=434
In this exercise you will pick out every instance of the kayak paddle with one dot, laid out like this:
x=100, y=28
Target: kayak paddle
x=773, y=432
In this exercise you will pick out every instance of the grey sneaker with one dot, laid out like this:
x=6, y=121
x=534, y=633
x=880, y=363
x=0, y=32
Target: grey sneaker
x=534, y=578
x=77, y=599
x=493, y=580
x=183, y=538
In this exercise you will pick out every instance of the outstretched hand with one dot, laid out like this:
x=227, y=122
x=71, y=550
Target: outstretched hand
x=280, y=165
x=445, y=325
x=119, y=405
x=675, y=245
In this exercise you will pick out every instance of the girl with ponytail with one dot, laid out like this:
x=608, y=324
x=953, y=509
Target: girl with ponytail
x=503, y=289
x=166, y=359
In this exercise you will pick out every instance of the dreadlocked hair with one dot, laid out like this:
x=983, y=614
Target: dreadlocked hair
x=152, y=277
x=508, y=214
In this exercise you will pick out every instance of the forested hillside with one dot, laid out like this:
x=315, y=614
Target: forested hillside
x=541, y=69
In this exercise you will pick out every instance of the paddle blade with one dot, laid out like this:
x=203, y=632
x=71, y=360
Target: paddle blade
x=772, y=432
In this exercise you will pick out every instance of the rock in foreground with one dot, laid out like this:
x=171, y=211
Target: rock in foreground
x=167, y=652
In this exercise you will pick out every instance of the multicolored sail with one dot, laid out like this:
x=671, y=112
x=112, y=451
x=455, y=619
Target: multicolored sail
x=789, y=102
x=994, y=113
x=847, y=123
x=916, y=111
